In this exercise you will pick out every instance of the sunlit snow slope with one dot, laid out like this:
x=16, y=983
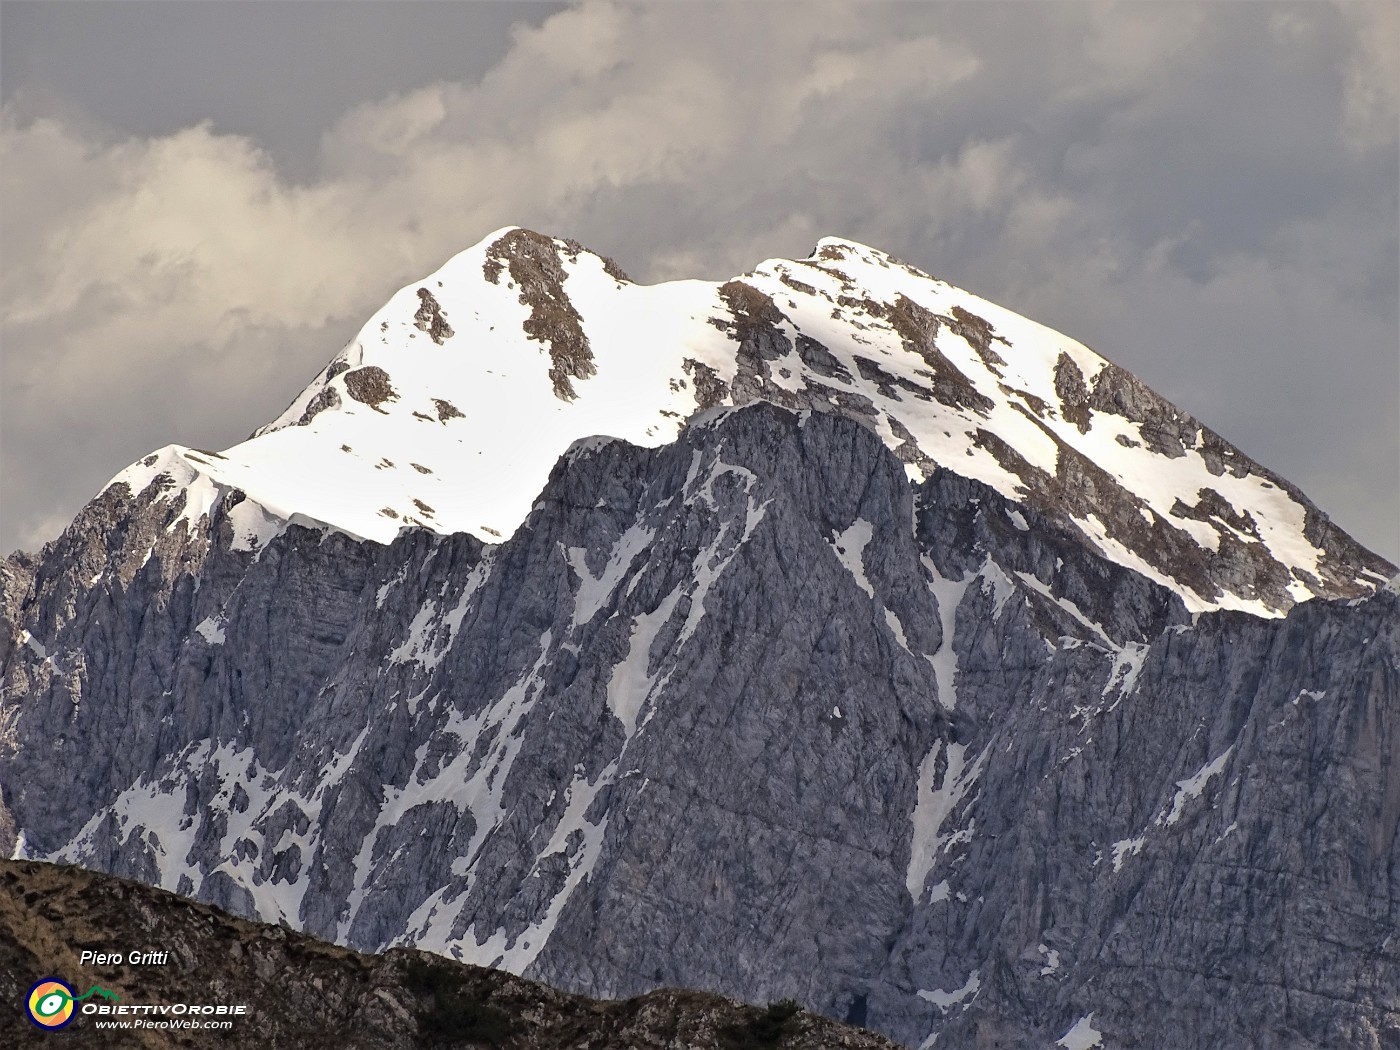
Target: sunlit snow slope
x=453, y=403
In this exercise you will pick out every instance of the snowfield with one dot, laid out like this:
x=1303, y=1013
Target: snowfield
x=451, y=406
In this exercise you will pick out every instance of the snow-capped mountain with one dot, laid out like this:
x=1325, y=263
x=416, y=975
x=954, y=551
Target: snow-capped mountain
x=453, y=403
x=890, y=653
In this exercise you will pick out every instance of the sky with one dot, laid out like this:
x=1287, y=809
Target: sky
x=200, y=203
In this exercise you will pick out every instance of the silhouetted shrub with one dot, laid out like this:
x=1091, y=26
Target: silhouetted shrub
x=764, y=1030
x=454, y=1016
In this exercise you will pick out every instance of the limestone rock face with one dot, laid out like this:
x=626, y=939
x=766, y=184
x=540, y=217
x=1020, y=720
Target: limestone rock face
x=899, y=657
x=751, y=713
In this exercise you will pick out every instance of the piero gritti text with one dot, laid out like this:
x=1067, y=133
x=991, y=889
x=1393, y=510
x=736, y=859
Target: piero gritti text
x=132, y=958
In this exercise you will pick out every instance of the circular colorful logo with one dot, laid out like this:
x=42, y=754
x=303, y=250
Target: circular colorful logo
x=50, y=1003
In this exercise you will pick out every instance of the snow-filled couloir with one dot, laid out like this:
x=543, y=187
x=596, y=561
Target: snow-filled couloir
x=451, y=406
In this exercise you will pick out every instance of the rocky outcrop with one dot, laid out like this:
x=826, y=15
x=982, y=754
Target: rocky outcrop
x=300, y=992
x=534, y=264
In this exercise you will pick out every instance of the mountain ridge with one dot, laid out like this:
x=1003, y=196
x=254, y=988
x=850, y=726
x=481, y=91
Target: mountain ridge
x=775, y=708
x=448, y=409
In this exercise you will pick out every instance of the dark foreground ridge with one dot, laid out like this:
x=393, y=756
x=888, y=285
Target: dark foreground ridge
x=304, y=992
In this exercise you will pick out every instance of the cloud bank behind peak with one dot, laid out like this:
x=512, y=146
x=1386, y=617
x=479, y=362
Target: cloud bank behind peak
x=1206, y=194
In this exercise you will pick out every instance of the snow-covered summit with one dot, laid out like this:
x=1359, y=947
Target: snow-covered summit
x=449, y=408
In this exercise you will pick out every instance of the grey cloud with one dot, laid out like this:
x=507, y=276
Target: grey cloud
x=277, y=70
x=1189, y=189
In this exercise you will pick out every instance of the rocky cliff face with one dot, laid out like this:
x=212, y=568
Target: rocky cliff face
x=748, y=713
x=761, y=711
